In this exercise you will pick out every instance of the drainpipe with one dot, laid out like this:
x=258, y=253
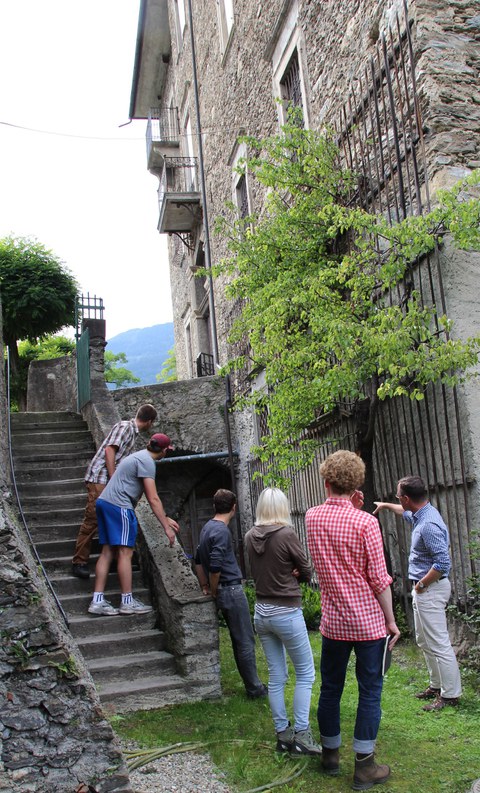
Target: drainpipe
x=226, y=413
x=208, y=258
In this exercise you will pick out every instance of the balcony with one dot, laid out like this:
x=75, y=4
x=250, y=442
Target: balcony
x=163, y=136
x=178, y=196
x=205, y=364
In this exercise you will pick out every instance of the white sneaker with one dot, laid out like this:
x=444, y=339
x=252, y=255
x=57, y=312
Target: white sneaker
x=103, y=609
x=134, y=607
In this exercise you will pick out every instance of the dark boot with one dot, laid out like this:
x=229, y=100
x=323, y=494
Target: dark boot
x=368, y=773
x=330, y=761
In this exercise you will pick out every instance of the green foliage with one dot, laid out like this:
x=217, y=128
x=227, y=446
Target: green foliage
x=312, y=609
x=118, y=375
x=169, y=369
x=330, y=311
x=38, y=292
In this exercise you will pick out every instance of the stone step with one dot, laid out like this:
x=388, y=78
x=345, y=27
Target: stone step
x=123, y=668
x=33, y=474
x=63, y=501
x=64, y=546
x=69, y=584
x=53, y=518
x=142, y=694
x=88, y=627
x=78, y=603
x=53, y=458
x=42, y=532
x=22, y=421
x=62, y=487
x=129, y=638
x=55, y=436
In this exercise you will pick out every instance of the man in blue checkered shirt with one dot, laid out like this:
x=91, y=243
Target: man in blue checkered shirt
x=428, y=568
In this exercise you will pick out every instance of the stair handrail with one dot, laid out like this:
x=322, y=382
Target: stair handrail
x=14, y=483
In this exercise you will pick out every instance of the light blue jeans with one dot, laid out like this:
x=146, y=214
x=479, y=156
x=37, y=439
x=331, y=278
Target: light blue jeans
x=279, y=635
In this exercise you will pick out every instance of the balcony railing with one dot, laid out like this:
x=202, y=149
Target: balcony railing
x=163, y=135
x=178, y=195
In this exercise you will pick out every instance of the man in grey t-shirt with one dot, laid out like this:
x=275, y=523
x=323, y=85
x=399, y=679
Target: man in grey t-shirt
x=117, y=524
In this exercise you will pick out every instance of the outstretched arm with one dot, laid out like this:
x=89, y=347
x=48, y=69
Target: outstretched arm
x=396, y=508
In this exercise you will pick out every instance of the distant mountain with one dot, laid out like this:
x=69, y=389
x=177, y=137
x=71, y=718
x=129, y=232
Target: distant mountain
x=146, y=350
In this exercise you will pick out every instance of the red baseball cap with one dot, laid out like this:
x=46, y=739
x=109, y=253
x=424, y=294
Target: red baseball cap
x=161, y=440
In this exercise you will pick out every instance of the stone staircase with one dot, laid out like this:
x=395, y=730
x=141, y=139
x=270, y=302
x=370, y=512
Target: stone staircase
x=125, y=655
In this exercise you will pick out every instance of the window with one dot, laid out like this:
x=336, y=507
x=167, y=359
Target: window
x=191, y=174
x=240, y=191
x=242, y=197
x=180, y=20
x=225, y=22
x=290, y=84
x=288, y=65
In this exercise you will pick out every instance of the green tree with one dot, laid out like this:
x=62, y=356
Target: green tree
x=38, y=293
x=168, y=373
x=318, y=280
x=118, y=375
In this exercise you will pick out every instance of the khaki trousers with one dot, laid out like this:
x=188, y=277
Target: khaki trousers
x=89, y=525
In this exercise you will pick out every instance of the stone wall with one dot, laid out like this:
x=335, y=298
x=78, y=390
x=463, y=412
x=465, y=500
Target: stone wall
x=52, y=385
x=189, y=411
x=53, y=734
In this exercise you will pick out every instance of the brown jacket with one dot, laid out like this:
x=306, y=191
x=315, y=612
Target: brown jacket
x=274, y=551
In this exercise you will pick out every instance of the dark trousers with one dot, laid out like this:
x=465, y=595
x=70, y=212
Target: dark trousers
x=368, y=670
x=233, y=604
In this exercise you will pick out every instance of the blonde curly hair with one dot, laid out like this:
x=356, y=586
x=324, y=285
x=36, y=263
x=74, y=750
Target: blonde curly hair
x=344, y=471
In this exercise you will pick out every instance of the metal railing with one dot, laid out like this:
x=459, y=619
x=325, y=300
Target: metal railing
x=179, y=175
x=162, y=126
x=87, y=307
x=205, y=364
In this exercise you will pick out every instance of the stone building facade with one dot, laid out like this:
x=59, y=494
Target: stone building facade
x=416, y=65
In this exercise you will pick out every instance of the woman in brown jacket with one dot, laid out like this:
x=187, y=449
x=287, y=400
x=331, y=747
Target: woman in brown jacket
x=278, y=562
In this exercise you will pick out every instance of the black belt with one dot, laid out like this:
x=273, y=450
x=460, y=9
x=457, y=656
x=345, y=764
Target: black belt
x=414, y=582
x=230, y=583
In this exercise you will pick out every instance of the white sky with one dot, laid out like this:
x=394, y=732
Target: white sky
x=66, y=67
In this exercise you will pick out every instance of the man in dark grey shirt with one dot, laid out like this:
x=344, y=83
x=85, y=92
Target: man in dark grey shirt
x=221, y=577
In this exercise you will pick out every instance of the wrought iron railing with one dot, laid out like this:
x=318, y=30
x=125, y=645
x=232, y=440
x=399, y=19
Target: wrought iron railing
x=87, y=307
x=179, y=175
x=205, y=365
x=162, y=126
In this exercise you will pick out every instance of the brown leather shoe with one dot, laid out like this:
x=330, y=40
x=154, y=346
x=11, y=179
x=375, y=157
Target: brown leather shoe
x=442, y=702
x=368, y=773
x=330, y=761
x=429, y=693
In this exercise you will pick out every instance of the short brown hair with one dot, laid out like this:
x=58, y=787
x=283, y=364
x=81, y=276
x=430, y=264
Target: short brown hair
x=344, y=471
x=146, y=413
x=413, y=487
x=223, y=501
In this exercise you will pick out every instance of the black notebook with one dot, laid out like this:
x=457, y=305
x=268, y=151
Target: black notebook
x=387, y=656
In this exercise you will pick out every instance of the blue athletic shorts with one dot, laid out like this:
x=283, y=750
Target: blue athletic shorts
x=116, y=525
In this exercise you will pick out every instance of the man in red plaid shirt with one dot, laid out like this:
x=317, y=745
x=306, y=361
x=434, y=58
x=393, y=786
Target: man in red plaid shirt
x=347, y=551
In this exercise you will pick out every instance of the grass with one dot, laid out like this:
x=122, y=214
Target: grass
x=438, y=752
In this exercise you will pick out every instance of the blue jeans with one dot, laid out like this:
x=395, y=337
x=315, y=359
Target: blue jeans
x=368, y=670
x=281, y=634
x=233, y=604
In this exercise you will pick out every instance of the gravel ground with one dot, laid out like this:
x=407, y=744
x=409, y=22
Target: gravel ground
x=187, y=772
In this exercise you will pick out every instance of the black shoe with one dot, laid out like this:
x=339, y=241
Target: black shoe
x=259, y=693
x=81, y=570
